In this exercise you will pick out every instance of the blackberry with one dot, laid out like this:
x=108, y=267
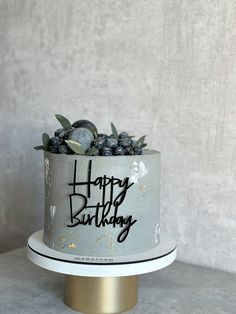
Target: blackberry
x=119, y=151
x=125, y=142
x=99, y=142
x=111, y=142
x=123, y=135
x=138, y=150
x=105, y=151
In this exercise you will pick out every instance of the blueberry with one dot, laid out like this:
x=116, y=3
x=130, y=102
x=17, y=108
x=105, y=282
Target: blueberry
x=119, y=151
x=83, y=136
x=105, y=151
x=55, y=141
x=87, y=125
x=129, y=150
x=54, y=144
x=123, y=135
x=125, y=142
x=64, y=149
x=138, y=150
x=99, y=142
x=111, y=142
x=53, y=149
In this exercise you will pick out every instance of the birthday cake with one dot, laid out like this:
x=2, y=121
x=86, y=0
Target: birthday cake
x=102, y=192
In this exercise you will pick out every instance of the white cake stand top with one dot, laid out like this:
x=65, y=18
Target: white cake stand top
x=92, y=266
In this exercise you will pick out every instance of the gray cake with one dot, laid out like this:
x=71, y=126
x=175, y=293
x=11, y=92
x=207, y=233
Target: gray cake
x=102, y=206
x=102, y=191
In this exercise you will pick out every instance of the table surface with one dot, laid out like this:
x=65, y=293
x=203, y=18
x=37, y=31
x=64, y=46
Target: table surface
x=179, y=288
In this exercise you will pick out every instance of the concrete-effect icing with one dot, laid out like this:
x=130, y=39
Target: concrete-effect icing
x=52, y=210
x=165, y=69
x=157, y=232
x=95, y=238
x=138, y=170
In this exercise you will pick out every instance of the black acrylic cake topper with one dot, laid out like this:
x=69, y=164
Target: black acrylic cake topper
x=102, y=216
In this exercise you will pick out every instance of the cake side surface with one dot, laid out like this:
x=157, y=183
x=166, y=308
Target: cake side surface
x=102, y=206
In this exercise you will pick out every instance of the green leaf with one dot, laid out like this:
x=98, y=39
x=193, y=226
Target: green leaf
x=114, y=131
x=39, y=147
x=45, y=140
x=140, y=141
x=143, y=145
x=64, y=122
x=95, y=134
x=76, y=147
x=92, y=152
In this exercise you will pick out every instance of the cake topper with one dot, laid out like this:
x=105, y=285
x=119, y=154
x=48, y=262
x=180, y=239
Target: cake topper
x=106, y=211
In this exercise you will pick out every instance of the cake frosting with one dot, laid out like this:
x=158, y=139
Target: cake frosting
x=102, y=206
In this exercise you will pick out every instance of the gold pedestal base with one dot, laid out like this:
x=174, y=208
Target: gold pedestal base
x=95, y=295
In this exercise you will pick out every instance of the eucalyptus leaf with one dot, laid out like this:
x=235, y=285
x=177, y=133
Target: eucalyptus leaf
x=140, y=141
x=114, y=131
x=95, y=134
x=45, y=140
x=92, y=152
x=63, y=121
x=76, y=147
x=39, y=147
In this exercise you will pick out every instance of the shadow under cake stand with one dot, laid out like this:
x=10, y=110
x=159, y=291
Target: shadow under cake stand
x=101, y=284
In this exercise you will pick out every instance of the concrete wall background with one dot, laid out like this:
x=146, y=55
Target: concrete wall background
x=162, y=68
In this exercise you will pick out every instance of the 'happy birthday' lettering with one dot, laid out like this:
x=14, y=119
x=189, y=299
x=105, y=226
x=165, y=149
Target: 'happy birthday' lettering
x=106, y=211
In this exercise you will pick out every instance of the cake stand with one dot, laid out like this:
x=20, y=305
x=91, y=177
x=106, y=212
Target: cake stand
x=101, y=284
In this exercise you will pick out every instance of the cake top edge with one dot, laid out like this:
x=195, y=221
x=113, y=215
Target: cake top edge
x=146, y=152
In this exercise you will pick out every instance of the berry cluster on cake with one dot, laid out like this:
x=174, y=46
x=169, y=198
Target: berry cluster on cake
x=96, y=206
x=82, y=137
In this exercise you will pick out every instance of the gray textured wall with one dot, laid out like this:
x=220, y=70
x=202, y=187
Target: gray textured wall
x=162, y=68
